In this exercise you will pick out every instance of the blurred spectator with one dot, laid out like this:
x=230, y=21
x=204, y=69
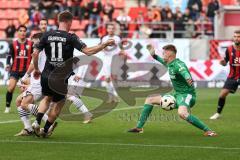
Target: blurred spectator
x=165, y=11
x=108, y=9
x=203, y=25
x=49, y=7
x=195, y=7
x=212, y=8
x=177, y=11
x=189, y=28
x=91, y=29
x=178, y=25
x=36, y=17
x=146, y=2
x=154, y=16
x=95, y=8
x=74, y=7
x=123, y=19
x=84, y=11
x=23, y=17
x=102, y=30
x=186, y=15
x=10, y=30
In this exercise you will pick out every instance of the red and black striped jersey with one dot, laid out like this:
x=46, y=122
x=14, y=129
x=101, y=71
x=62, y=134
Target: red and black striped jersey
x=20, y=53
x=233, y=57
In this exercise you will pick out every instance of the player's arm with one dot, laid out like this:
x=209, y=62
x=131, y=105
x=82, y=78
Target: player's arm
x=79, y=45
x=9, y=57
x=151, y=50
x=35, y=55
x=183, y=71
x=225, y=60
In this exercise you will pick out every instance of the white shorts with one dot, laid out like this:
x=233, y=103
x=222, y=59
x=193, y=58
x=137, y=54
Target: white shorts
x=35, y=91
x=107, y=65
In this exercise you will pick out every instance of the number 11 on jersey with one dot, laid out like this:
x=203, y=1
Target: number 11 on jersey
x=53, y=51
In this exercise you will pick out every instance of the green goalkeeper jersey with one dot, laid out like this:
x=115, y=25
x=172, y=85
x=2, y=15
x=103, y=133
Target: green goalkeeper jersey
x=179, y=74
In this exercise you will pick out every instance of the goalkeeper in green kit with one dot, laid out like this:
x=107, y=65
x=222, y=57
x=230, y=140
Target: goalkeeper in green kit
x=184, y=94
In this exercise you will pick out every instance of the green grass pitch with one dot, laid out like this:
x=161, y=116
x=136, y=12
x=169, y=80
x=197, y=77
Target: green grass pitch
x=164, y=137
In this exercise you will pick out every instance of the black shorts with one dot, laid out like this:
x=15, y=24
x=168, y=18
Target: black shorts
x=231, y=84
x=17, y=75
x=55, y=88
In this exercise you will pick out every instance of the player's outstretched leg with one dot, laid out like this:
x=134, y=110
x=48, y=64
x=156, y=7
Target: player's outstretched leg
x=184, y=114
x=82, y=108
x=221, y=103
x=147, y=109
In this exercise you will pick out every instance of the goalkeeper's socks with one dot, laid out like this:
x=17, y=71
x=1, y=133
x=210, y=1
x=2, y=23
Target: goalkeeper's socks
x=147, y=109
x=197, y=123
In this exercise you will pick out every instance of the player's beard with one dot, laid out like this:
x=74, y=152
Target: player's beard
x=237, y=44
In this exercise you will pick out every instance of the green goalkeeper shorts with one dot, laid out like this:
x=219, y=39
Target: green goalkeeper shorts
x=187, y=100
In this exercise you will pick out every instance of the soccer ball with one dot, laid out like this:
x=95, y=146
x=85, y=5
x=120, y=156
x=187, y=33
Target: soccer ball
x=168, y=102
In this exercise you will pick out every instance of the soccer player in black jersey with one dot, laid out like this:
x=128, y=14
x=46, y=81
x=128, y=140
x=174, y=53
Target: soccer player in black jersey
x=232, y=56
x=20, y=53
x=58, y=46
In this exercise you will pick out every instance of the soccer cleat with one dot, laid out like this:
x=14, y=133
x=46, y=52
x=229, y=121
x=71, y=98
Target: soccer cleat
x=7, y=110
x=87, y=117
x=109, y=100
x=36, y=128
x=43, y=134
x=51, y=129
x=24, y=132
x=210, y=134
x=136, y=130
x=215, y=116
x=116, y=99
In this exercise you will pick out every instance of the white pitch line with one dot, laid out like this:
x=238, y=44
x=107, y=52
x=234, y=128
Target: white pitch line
x=123, y=144
x=10, y=121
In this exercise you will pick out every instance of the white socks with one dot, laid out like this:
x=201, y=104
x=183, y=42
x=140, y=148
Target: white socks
x=78, y=103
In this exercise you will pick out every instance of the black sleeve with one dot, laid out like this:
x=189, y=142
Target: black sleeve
x=40, y=46
x=77, y=43
x=10, y=53
x=226, y=58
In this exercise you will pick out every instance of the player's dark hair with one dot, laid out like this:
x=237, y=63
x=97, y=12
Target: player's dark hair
x=170, y=47
x=44, y=19
x=65, y=16
x=21, y=26
x=37, y=35
x=237, y=31
x=109, y=24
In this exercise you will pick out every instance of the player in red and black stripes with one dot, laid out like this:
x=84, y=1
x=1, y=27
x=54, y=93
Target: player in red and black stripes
x=20, y=53
x=232, y=56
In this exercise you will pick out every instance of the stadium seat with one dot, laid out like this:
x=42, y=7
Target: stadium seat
x=83, y=24
x=116, y=13
x=75, y=25
x=119, y=4
x=3, y=24
x=2, y=34
x=80, y=34
x=2, y=14
x=51, y=22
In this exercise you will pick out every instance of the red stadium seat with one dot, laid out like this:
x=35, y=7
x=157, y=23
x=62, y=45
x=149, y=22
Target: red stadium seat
x=2, y=35
x=51, y=22
x=75, y=25
x=119, y=3
x=2, y=14
x=80, y=34
x=11, y=14
x=3, y=24
x=83, y=24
